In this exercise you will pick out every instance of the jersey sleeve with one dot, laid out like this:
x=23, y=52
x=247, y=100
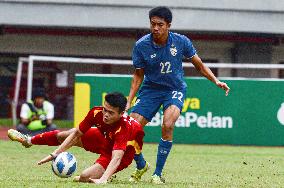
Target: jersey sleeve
x=188, y=50
x=137, y=58
x=88, y=122
x=120, y=139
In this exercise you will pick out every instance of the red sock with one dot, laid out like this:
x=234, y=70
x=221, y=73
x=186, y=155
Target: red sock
x=47, y=138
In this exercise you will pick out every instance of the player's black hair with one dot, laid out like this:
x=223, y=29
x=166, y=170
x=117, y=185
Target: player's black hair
x=161, y=12
x=116, y=99
x=38, y=92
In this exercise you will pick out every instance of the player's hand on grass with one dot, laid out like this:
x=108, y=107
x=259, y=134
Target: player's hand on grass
x=224, y=86
x=48, y=158
x=98, y=181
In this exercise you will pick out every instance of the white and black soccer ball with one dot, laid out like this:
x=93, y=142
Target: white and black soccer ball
x=64, y=165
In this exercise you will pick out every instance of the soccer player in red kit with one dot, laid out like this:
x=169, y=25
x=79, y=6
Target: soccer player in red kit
x=105, y=130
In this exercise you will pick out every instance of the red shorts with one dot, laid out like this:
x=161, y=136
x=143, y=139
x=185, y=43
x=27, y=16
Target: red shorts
x=126, y=160
x=94, y=141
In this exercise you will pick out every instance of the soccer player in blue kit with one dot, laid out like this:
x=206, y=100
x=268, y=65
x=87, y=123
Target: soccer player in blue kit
x=157, y=58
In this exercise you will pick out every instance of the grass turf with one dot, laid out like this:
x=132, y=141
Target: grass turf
x=187, y=166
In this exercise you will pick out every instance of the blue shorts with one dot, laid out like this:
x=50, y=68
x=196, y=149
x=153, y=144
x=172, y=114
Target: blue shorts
x=150, y=100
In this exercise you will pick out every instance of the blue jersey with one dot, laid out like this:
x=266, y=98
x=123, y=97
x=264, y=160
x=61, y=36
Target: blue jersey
x=163, y=64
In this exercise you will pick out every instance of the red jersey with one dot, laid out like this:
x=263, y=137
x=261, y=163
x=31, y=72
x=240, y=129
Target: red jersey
x=121, y=134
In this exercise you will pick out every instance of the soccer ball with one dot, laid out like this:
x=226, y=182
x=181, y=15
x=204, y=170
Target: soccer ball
x=64, y=165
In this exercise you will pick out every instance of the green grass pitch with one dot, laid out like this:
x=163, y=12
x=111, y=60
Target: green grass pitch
x=187, y=166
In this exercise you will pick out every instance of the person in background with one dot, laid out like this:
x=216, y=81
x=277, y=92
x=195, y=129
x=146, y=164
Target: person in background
x=37, y=115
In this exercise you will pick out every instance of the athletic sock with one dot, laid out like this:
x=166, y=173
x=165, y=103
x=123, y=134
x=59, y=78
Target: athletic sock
x=47, y=138
x=140, y=161
x=29, y=140
x=164, y=149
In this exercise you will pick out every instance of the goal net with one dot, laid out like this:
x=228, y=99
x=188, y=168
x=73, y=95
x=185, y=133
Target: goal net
x=57, y=74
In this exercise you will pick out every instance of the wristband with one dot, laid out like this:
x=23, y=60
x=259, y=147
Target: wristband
x=53, y=156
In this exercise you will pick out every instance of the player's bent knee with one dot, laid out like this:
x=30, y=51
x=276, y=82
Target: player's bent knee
x=84, y=177
x=168, y=126
x=167, y=131
x=142, y=120
x=61, y=136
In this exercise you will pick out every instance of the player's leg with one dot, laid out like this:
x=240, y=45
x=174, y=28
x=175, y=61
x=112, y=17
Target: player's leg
x=141, y=119
x=127, y=158
x=146, y=106
x=95, y=172
x=141, y=165
x=134, y=150
x=61, y=136
x=51, y=138
x=15, y=135
x=171, y=114
x=172, y=108
x=94, y=141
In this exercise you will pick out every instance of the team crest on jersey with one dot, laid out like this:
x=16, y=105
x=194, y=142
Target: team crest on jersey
x=173, y=50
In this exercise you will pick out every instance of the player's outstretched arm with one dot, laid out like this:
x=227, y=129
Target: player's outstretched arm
x=111, y=168
x=206, y=72
x=224, y=86
x=136, y=82
x=71, y=140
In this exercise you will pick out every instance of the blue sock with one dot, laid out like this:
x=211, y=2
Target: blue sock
x=140, y=161
x=163, y=152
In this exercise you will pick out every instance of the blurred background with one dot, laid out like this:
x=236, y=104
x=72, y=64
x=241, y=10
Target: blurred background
x=224, y=31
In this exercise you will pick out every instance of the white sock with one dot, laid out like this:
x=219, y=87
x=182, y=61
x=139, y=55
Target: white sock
x=29, y=140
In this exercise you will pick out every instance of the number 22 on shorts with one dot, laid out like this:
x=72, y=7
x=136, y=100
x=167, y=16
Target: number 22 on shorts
x=177, y=95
